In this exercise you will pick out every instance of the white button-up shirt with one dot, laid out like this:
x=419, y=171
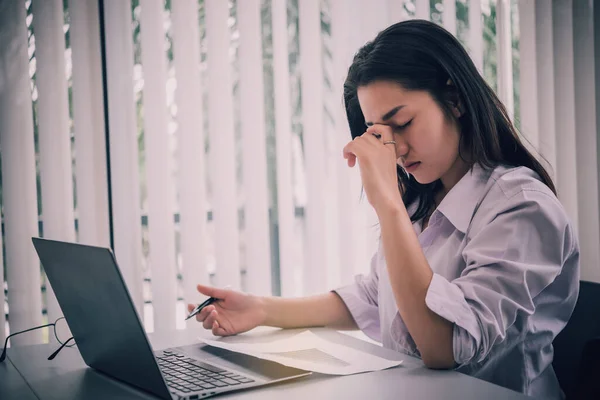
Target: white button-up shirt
x=505, y=260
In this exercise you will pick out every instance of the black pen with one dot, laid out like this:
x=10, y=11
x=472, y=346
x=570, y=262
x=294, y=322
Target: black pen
x=200, y=307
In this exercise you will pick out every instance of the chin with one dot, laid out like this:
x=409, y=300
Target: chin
x=424, y=179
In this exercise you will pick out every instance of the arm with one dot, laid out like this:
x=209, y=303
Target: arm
x=524, y=246
x=410, y=276
x=350, y=307
x=511, y=259
x=408, y=269
x=321, y=310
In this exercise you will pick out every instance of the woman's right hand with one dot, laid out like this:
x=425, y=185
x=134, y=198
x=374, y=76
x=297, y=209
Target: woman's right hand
x=233, y=313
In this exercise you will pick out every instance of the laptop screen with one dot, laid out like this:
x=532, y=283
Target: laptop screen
x=98, y=308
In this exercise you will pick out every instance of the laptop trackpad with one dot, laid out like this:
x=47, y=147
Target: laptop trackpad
x=252, y=366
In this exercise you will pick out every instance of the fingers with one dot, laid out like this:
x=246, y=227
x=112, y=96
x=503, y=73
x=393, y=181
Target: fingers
x=211, y=291
x=212, y=323
x=349, y=155
x=202, y=315
x=383, y=130
x=217, y=330
x=359, y=147
x=210, y=319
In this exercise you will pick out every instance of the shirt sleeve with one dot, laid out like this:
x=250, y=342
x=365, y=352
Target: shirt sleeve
x=361, y=298
x=513, y=257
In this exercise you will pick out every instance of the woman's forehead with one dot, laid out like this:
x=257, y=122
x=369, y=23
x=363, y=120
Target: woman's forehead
x=378, y=99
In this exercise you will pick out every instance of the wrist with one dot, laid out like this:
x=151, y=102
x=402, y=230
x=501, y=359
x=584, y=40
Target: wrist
x=389, y=209
x=263, y=306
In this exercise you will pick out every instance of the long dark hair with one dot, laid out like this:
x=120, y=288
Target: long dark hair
x=420, y=55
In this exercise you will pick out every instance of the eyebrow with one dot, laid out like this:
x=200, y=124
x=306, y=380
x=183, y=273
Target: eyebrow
x=388, y=115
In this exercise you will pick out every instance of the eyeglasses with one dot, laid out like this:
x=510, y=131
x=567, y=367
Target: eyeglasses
x=53, y=325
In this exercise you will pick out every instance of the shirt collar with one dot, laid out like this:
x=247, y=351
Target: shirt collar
x=459, y=204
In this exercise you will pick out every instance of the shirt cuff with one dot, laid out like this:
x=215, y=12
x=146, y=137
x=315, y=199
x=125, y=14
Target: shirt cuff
x=365, y=315
x=448, y=301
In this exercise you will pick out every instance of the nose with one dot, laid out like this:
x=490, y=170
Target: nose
x=401, y=147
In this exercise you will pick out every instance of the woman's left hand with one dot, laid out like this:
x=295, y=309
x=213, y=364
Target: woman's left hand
x=377, y=162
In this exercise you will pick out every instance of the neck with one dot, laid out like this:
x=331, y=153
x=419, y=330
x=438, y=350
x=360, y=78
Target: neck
x=451, y=178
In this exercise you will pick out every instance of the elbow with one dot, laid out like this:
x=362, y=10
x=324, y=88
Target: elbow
x=439, y=364
x=437, y=361
x=438, y=351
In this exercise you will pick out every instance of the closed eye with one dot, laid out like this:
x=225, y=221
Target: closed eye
x=402, y=127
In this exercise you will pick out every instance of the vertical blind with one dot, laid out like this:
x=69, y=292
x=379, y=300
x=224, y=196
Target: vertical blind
x=54, y=133
x=204, y=137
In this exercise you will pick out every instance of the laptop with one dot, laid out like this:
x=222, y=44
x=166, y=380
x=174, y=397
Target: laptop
x=97, y=306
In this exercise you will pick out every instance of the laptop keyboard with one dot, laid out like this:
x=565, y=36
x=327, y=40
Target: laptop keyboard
x=189, y=375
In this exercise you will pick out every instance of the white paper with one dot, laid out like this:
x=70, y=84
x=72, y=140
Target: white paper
x=309, y=352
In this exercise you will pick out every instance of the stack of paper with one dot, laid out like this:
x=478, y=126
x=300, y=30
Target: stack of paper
x=309, y=352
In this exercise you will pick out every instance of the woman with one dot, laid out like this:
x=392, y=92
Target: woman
x=478, y=264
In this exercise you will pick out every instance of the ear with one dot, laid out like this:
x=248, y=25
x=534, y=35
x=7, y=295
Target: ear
x=454, y=100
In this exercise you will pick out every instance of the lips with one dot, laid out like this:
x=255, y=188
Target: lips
x=409, y=167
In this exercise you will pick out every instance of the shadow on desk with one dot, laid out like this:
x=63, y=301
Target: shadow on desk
x=66, y=377
x=87, y=384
